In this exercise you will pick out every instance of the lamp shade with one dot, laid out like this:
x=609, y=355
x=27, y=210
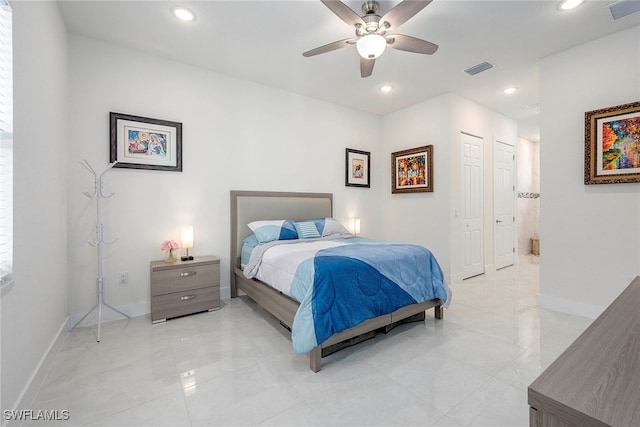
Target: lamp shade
x=355, y=226
x=187, y=237
x=371, y=46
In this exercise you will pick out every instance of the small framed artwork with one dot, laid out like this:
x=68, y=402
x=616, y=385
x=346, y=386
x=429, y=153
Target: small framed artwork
x=412, y=170
x=358, y=165
x=144, y=143
x=612, y=145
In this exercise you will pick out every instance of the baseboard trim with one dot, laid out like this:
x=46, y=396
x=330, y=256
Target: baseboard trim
x=225, y=293
x=30, y=391
x=133, y=310
x=570, y=306
x=108, y=315
x=454, y=279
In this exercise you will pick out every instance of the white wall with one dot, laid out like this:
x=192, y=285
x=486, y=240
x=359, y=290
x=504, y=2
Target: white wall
x=236, y=136
x=433, y=219
x=528, y=206
x=590, y=249
x=419, y=218
x=34, y=309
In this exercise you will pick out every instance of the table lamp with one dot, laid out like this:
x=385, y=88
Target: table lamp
x=355, y=227
x=187, y=242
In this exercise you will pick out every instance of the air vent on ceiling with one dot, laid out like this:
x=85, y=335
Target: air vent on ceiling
x=478, y=68
x=624, y=8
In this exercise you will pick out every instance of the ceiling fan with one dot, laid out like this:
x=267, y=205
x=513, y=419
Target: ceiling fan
x=371, y=31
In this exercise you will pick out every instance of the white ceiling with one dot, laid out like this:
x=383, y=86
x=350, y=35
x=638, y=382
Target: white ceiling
x=263, y=41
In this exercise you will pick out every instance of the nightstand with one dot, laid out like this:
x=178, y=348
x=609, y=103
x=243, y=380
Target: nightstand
x=184, y=287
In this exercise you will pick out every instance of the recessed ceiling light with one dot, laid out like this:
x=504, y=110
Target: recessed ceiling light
x=569, y=4
x=386, y=88
x=183, y=13
x=509, y=90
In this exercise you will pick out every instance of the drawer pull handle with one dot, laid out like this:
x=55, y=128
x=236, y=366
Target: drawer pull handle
x=188, y=273
x=187, y=297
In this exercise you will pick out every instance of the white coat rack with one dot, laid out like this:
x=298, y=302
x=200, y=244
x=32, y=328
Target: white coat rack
x=98, y=242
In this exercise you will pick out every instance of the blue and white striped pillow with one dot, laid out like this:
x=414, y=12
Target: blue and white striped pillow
x=307, y=230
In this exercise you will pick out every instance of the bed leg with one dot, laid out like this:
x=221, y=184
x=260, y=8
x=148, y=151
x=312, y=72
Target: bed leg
x=233, y=285
x=234, y=291
x=438, y=312
x=315, y=359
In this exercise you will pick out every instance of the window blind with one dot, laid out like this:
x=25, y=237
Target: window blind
x=6, y=145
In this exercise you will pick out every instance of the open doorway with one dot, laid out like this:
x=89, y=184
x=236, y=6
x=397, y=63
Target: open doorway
x=528, y=198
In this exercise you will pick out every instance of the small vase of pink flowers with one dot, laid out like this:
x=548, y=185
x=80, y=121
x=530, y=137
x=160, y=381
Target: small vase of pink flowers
x=170, y=249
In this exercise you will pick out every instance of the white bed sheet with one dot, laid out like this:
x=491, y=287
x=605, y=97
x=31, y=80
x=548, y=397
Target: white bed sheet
x=278, y=264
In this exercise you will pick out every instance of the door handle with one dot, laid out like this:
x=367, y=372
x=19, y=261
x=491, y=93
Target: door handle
x=497, y=221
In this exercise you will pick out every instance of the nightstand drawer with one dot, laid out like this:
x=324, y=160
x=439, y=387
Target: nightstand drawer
x=186, y=277
x=187, y=302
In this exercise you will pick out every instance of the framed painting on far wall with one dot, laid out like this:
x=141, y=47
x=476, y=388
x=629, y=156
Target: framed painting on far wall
x=357, y=173
x=612, y=145
x=412, y=170
x=144, y=143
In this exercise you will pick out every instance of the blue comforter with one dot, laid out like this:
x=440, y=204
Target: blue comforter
x=342, y=286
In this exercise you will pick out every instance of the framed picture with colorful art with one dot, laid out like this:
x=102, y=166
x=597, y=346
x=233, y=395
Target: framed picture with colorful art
x=357, y=173
x=412, y=170
x=144, y=143
x=612, y=145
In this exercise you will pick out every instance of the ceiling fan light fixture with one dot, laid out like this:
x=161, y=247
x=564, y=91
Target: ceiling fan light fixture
x=371, y=46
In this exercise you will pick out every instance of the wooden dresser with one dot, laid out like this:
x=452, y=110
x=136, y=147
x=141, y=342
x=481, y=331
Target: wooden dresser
x=596, y=381
x=184, y=287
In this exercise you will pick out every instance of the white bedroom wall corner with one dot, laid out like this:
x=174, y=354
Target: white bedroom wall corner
x=35, y=306
x=420, y=218
x=578, y=252
x=42, y=368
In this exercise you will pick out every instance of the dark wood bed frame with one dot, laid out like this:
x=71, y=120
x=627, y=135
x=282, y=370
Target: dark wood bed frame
x=247, y=206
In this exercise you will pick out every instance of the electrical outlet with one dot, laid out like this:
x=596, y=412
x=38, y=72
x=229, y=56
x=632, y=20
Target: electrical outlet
x=123, y=277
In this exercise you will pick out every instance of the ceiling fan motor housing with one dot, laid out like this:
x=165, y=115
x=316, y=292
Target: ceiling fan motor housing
x=371, y=19
x=370, y=7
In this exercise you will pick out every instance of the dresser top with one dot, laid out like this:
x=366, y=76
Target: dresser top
x=596, y=380
x=199, y=260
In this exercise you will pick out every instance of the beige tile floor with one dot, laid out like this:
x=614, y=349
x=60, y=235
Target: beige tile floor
x=236, y=367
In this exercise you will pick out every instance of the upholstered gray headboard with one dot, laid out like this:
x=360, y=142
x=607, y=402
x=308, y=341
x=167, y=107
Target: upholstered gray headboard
x=247, y=206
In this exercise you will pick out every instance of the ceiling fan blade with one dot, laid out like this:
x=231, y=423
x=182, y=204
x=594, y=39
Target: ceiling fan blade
x=411, y=44
x=366, y=66
x=329, y=47
x=343, y=12
x=404, y=11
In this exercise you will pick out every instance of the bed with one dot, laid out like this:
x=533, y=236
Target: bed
x=250, y=206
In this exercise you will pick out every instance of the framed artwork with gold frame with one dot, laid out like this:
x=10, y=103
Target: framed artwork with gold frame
x=412, y=170
x=612, y=145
